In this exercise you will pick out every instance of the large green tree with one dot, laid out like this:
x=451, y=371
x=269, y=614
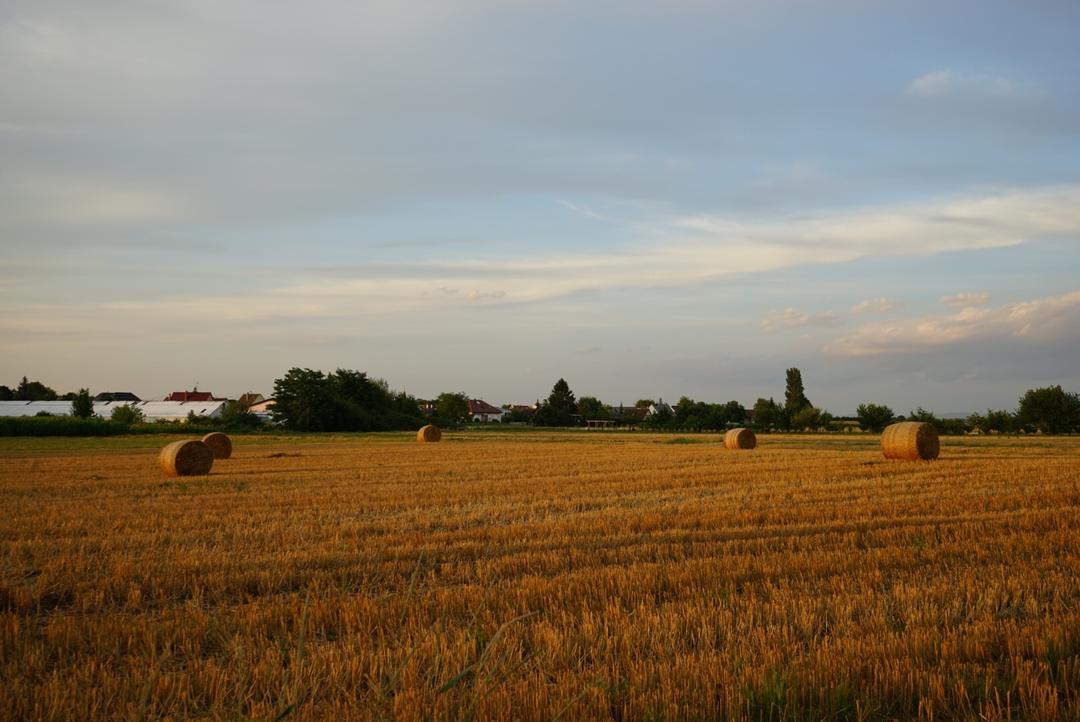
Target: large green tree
x=874, y=417
x=767, y=414
x=1051, y=410
x=560, y=407
x=591, y=408
x=302, y=401
x=345, y=400
x=700, y=415
x=453, y=407
x=794, y=394
x=808, y=418
x=1000, y=421
x=733, y=413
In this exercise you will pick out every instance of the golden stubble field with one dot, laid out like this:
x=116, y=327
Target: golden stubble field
x=540, y=577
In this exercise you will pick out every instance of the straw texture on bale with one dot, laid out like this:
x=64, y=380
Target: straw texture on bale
x=740, y=439
x=219, y=443
x=428, y=434
x=910, y=440
x=186, y=458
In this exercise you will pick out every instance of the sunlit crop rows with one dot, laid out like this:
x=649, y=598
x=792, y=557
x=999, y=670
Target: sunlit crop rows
x=540, y=577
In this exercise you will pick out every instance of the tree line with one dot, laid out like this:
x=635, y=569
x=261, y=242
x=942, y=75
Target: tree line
x=1049, y=410
x=349, y=400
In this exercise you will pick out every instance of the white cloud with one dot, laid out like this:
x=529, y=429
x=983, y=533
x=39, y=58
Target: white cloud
x=951, y=225
x=65, y=200
x=1044, y=319
x=674, y=252
x=875, y=305
x=966, y=300
x=949, y=83
x=791, y=318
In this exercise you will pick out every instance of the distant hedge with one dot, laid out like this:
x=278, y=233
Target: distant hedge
x=58, y=426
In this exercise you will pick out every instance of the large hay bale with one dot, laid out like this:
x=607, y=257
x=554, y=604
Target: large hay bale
x=219, y=443
x=186, y=458
x=429, y=434
x=910, y=440
x=740, y=439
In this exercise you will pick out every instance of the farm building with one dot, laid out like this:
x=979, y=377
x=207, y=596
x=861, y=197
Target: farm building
x=628, y=414
x=151, y=410
x=179, y=410
x=250, y=399
x=116, y=396
x=33, y=408
x=262, y=409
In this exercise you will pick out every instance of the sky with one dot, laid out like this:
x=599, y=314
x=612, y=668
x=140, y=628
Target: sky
x=649, y=199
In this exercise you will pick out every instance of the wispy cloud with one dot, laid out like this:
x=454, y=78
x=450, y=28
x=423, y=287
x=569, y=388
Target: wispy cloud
x=875, y=305
x=584, y=211
x=966, y=300
x=790, y=318
x=1039, y=320
x=670, y=252
x=950, y=83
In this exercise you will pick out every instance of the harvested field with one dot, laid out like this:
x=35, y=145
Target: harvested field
x=541, y=576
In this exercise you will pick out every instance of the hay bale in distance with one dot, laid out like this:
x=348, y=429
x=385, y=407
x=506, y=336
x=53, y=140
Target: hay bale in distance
x=911, y=440
x=429, y=434
x=186, y=458
x=219, y=443
x=740, y=439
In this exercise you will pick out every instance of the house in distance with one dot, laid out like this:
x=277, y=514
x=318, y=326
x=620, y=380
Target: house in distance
x=482, y=411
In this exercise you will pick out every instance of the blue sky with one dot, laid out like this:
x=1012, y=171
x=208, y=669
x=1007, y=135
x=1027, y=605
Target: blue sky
x=649, y=199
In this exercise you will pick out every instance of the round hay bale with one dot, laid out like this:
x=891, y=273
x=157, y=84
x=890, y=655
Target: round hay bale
x=740, y=439
x=911, y=440
x=186, y=458
x=219, y=443
x=429, y=434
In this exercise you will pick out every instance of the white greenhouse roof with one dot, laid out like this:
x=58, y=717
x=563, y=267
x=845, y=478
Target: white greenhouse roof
x=33, y=408
x=179, y=409
x=152, y=410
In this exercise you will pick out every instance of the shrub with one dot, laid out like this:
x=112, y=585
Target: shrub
x=82, y=406
x=127, y=415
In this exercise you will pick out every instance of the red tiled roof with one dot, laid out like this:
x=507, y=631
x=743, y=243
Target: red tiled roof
x=478, y=406
x=191, y=396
